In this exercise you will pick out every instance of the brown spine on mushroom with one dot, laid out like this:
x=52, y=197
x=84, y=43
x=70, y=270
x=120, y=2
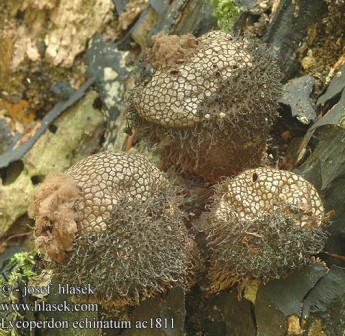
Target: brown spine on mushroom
x=55, y=215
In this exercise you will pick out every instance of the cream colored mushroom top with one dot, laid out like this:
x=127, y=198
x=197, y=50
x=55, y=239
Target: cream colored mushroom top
x=107, y=177
x=174, y=94
x=262, y=191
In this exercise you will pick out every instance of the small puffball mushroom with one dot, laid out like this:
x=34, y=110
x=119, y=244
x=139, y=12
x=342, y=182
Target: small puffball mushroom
x=211, y=108
x=125, y=235
x=262, y=224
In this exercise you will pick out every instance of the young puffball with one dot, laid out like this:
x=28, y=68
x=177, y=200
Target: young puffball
x=262, y=224
x=112, y=221
x=209, y=102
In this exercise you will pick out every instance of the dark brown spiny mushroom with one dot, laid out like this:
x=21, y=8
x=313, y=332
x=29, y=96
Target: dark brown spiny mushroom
x=125, y=235
x=210, y=109
x=263, y=223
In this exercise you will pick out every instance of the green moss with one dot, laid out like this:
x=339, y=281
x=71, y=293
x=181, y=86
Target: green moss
x=15, y=271
x=23, y=264
x=226, y=12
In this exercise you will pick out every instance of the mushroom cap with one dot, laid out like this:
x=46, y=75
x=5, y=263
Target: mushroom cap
x=262, y=191
x=107, y=177
x=174, y=95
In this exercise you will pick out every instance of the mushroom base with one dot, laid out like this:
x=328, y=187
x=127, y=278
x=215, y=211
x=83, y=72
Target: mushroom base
x=144, y=250
x=266, y=248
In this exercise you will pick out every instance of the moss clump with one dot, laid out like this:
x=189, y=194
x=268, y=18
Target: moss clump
x=226, y=13
x=21, y=267
x=263, y=224
x=15, y=273
x=211, y=114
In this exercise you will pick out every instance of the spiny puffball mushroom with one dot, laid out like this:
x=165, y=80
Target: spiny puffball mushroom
x=112, y=221
x=209, y=102
x=262, y=224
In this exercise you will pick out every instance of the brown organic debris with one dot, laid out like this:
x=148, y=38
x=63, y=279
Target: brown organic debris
x=55, y=214
x=169, y=51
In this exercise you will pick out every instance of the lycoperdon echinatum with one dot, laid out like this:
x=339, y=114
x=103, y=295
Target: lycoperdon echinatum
x=208, y=104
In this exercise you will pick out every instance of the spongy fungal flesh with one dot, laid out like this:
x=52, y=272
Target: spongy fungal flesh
x=131, y=242
x=263, y=223
x=212, y=111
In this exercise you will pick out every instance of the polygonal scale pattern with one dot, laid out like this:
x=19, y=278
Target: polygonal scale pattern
x=108, y=177
x=174, y=95
x=261, y=191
